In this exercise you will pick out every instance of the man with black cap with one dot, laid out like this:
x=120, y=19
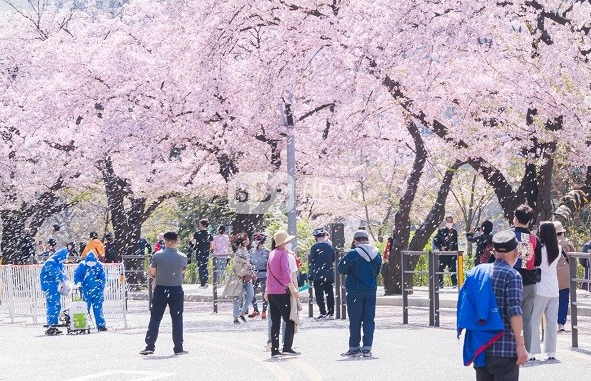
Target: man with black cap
x=167, y=269
x=505, y=355
x=321, y=272
x=362, y=267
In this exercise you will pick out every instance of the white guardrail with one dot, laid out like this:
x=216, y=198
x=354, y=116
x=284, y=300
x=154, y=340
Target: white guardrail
x=22, y=301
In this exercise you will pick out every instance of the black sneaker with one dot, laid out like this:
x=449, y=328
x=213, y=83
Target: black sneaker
x=366, y=353
x=146, y=352
x=102, y=329
x=53, y=331
x=351, y=353
x=243, y=318
x=181, y=353
x=236, y=321
x=277, y=355
x=291, y=352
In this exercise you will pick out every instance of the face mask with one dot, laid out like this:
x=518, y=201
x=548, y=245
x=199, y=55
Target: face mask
x=288, y=246
x=449, y=225
x=91, y=264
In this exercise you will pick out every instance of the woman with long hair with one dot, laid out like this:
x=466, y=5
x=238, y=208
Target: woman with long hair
x=237, y=285
x=546, y=299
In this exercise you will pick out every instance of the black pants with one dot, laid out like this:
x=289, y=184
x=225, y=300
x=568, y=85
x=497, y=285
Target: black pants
x=280, y=307
x=173, y=297
x=498, y=369
x=449, y=261
x=202, y=260
x=320, y=288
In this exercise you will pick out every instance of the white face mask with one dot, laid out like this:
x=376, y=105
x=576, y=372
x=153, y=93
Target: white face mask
x=449, y=225
x=288, y=246
x=91, y=264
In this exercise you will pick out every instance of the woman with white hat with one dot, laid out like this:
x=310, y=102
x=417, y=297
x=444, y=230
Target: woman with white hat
x=279, y=289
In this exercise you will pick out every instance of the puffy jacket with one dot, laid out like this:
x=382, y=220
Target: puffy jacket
x=52, y=272
x=96, y=246
x=320, y=262
x=362, y=269
x=478, y=314
x=92, y=278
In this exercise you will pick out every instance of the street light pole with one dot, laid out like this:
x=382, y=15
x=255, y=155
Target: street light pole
x=291, y=171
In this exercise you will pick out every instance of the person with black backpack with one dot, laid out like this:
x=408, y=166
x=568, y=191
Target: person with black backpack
x=483, y=238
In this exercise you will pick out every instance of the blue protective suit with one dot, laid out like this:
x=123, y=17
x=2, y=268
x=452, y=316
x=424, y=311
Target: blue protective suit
x=478, y=314
x=52, y=275
x=91, y=277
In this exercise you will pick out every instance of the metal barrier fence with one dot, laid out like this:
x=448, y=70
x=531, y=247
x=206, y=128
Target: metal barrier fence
x=575, y=305
x=22, y=301
x=433, y=283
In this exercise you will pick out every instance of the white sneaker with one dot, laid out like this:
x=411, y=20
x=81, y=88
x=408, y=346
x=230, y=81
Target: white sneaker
x=321, y=317
x=329, y=317
x=560, y=328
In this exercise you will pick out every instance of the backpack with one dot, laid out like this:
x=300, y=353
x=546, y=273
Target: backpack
x=489, y=250
x=526, y=248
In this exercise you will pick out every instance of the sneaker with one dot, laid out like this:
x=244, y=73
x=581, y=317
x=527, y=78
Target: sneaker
x=278, y=356
x=560, y=328
x=291, y=352
x=532, y=359
x=53, y=331
x=263, y=315
x=102, y=329
x=236, y=321
x=254, y=314
x=366, y=353
x=329, y=317
x=181, y=353
x=146, y=352
x=321, y=317
x=242, y=318
x=351, y=353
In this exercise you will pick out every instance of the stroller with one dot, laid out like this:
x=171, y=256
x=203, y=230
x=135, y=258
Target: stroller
x=76, y=318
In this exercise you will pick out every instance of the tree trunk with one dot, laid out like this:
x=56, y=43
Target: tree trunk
x=391, y=271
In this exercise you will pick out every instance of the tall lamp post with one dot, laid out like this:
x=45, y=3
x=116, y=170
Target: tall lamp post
x=288, y=121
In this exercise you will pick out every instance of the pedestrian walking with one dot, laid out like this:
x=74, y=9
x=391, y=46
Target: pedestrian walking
x=111, y=254
x=508, y=352
x=90, y=278
x=96, y=246
x=483, y=239
x=361, y=266
x=546, y=299
x=240, y=281
x=447, y=240
x=167, y=268
x=222, y=250
x=53, y=283
x=259, y=257
x=530, y=258
x=321, y=273
x=279, y=289
x=563, y=272
x=203, y=245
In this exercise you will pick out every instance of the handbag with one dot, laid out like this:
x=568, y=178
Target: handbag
x=250, y=277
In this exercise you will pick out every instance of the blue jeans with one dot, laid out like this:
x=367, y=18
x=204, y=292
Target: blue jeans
x=219, y=269
x=240, y=303
x=202, y=260
x=362, y=312
x=563, y=296
x=53, y=304
x=173, y=297
x=262, y=283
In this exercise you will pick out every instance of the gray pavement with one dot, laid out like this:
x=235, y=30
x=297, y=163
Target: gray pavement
x=220, y=350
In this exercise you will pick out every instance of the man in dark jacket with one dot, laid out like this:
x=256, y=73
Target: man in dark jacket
x=361, y=266
x=530, y=258
x=202, y=241
x=27, y=249
x=321, y=272
x=447, y=240
x=482, y=238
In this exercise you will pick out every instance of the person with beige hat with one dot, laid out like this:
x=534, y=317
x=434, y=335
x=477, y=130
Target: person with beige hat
x=279, y=290
x=563, y=272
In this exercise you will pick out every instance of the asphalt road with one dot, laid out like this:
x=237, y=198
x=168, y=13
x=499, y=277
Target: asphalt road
x=220, y=350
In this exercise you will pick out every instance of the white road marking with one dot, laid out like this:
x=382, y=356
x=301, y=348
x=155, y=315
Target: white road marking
x=144, y=376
